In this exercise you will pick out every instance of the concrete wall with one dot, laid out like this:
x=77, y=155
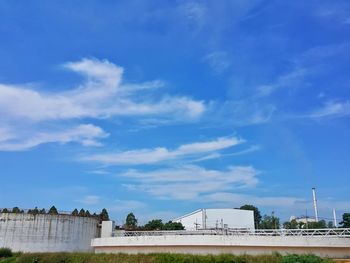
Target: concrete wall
x=214, y=218
x=205, y=244
x=47, y=233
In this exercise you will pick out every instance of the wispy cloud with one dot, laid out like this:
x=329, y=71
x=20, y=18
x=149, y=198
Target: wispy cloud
x=218, y=61
x=161, y=154
x=102, y=94
x=89, y=200
x=85, y=134
x=331, y=109
x=190, y=182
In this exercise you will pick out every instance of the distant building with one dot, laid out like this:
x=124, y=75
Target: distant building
x=303, y=220
x=217, y=219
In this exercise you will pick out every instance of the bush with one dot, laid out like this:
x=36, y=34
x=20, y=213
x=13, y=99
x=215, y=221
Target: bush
x=5, y=252
x=304, y=259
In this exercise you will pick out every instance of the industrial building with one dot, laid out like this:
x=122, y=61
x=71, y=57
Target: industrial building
x=217, y=218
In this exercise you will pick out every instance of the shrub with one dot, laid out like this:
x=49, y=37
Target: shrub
x=304, y=259
x=5, y=252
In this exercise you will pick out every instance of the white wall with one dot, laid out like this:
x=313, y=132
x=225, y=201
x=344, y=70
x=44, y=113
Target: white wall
x=47, y=233
x=233, y=218
x=338, y=247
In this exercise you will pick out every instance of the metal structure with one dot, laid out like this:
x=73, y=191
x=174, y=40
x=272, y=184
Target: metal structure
x=328, y=232
x=315, y=203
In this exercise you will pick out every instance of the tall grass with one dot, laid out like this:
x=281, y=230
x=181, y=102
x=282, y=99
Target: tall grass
x=158, y=258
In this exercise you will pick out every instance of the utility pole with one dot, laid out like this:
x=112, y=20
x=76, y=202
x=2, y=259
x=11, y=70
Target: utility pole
x=334, y=219
x=315, y=203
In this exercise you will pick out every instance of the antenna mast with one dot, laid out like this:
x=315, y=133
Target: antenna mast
x=315, y=203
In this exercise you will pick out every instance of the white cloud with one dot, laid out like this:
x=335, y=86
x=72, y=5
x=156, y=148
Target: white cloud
x=102, y=94
x=332, y=109
x=90, y=200
x=99, y=96
x=85, y=134
x=126, y=205
x=189, y=182
x=218, y=61
x=160, y=154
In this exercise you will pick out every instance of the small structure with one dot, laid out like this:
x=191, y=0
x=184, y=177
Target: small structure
x=218, y=218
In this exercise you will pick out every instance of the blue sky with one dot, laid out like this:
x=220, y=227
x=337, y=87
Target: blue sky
x=164, y=107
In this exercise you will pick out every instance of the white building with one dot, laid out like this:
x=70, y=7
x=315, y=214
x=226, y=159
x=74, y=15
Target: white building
x=217, y=218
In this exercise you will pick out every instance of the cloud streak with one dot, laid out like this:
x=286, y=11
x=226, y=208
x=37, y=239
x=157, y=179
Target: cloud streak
x=161, y=154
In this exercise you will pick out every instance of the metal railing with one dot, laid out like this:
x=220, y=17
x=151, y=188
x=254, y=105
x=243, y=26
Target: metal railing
x=328, y=232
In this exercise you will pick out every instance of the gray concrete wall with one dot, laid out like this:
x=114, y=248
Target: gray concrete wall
x=47, y=233
x=336, y=247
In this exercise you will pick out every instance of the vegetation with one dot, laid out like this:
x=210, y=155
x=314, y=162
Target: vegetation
x=130, y=222
x=157, y=224
x=257, y=215
x=159, y=258
x=346, y=220
x=270, y=222
x=5, y=252
x=53, y=211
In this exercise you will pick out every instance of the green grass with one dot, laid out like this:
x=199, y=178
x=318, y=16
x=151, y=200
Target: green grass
x=157, y=258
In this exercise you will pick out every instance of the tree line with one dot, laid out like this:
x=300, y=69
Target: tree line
x=273, y=222
x=102, y=216
x=131, y=223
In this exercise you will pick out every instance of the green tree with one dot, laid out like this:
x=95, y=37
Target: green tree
x=130, y=222
x=155, y=224
x=42, y=211
x=293, y=224
x=330, y=224
x=173, y=226
x=16, y=210
x=346, y=220
x=317, y=225
x=257, y=215
x=81, y=212
x=53, y=211
x=34, y=211
x=270, y=222
x=103, y=216
x=5, y=210
x=75, y=212
x=87, y=213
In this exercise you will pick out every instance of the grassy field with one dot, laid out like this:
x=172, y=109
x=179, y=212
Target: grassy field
x=155, y=258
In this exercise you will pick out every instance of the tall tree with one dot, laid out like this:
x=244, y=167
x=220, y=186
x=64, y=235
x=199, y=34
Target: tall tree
x=82, y=212
x=16, y=210
x=173, y=226
x=53, y=211
x=75, y=212
x=346, y=220
x=293, y=224
x=317, y=225
x=130, y=222
x=270, y=222
x=257, y=215
x=103, y=216
x=155, y=224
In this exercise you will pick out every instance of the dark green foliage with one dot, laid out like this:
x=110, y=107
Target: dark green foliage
x=257, y=215
x=75, y=212
x=34, y=211
x=173, y=226
x=5, y=252
x=5, y=210
x=270, y=222
x=130, y=222
x=104, y=215
x=155, y=224
x=161, y=258
x=317, y=225
x=81, y=212
x=304, y=259
x=42, y=211
x=346, y=220
x=87, y=213
x=53, y=211
x=16, y=210
x=293, y=224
